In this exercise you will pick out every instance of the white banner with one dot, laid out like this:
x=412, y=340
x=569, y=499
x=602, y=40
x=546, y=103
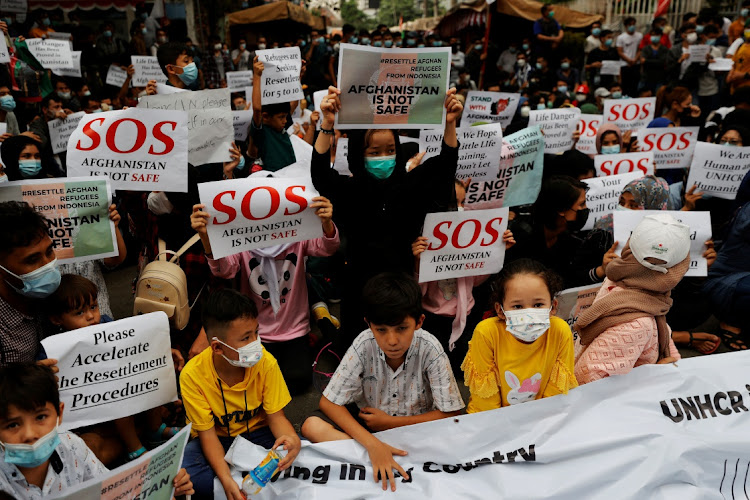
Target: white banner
x=138, y=149
x=51, y=53
x=624, y=163
x=630, y=114
x=604, y=194
x=116, y=75
x=672, y=146
x=4, y=52
x=60, y=131
x=113, y=369
x=238, y=80
x=519, y=176
x=587, y=126
x=258, y=212
x=75, y=71
x=479, y=149
x=670, y=432
x=719, y=170
x=700, y=231
x=558, y=126
x=280, y=81
x=209, y=121
x=241, y=123
x=149, y=476
x=146, y=69
x=468, y=243
x=498, y=107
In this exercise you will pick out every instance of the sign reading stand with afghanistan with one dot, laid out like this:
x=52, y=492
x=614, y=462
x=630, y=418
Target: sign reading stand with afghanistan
x=119, y=368
x=258, y=212
x=392, y=88
x=495, y=107
x=77, y=214
x=468, y=243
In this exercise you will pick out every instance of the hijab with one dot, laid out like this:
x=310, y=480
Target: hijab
x=605, y=128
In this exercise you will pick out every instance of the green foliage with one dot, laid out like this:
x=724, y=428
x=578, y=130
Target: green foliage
x=391, y=10
x=351, y=14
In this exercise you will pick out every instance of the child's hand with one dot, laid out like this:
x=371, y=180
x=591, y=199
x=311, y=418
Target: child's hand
x=232, y=489
x=182, y=484
x=508, y=239
x=229, y=166
x=130, y=70
x=257, y=67
x=710, y=253
x=418, y=246
x=381, y=457
x=151, y=87
x=178, y=360
x=314, y=117
x=114, y=215
x=292, y=445
x=376, y=420
x=51, y=363
x=324, y=210
x=691, y=197
x=453, y=107
x=199, y=219
x=330, y=105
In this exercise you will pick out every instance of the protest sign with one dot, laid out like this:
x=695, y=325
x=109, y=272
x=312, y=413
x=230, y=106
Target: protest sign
x=672, y=146
x=60, y=131
x=249, y=94
x=611, y=68
x=571, y=303
x=479, y=148
x=302, y=152
x=721, y=64
x=75, y=71
x=587, y=126
x=681, y=433
x=17, y=6
x=519, y=176
x=51, y=53
x=238, y=80
x=622, y=163
x=718, y=170
x=280, y=81
x=558, y=126
x=341, y=162
x=150, y=476
x=603, y=195
x=392, y=88
x=629, y=114
x=163, y=89
x=76, y=210
x=497, y=107
x=700, y=231
x=119, y=368
x=209, y=121
x=4, y=52
x=317, y=100
x=460, y=244
x=116, y=75
x=59, y=35
x=146, y=69
x=698, y=54
x=258, y=212
x=138, y=149
x=241, y=123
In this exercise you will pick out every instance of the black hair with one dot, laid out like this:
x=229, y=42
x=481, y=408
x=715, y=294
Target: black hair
x=545, y=8
x=389, y=298
x=628, y=20
x=524, y=266
x=685, y=27
x=21, y=227
x=572, y=163
x=224, y=306
x=276, y=108
x=347, y=28
x=49, y=98
x=741, y=96
x=688, y=15
x=558, y=194
x=27, y=386
x=711, y=29
x=73, y=293
x=605, y=33
x=168, y=53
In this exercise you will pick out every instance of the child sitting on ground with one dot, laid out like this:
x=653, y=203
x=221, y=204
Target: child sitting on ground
x=395, y=372
x=524, y=353
x=233, y=388
x=36, y=459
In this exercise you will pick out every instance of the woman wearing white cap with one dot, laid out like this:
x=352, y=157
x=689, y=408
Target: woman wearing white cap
x=626, y=325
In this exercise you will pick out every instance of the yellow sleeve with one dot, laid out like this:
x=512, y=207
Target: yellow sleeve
x=480, y=370
x=562, y=377
x=197, y=408
x=275, y=392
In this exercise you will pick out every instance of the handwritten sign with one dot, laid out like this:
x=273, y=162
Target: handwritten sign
x=719, y=170
x=479, y=149
x=629, y=114
x=558, y=126
x=60, y=131
x=497, y=107
x=280, y=81
x=603, y=195
x=698, y=54
x=241, y=123
x=17, y=6
x=622, y=163
x=51, y=53
x=672, y=146
x=146, y=69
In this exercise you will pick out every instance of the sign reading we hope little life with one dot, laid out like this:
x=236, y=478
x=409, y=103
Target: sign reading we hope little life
x=479, y=149
x=280, y=81
x=468, y=243
x=119, y=368
x=139, y=150
x=718, y=170
x=392, y=88
x=76, y=212
x=558, y=126
x=258, y=212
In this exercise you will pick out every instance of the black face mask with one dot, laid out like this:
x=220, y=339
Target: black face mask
x=580, y=221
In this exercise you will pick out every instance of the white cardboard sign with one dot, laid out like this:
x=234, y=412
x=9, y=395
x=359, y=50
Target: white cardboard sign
x=241, y=123
x=4, y=52
x=51, y=54
x=238, y=80
x=146, y=69
x=623, y=163
x=497, y=107
x=630, y=114
x=116, y=75
x=75, y=71
x=672, y=146
x=479, y=149
x=587, y=126
x=558, y=126
x=604, y=194
x=718, y=170
x=280, y=81
x=60, y=131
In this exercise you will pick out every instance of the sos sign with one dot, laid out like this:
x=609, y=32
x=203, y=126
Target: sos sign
x=624, y=163
x=672, y=147
x=630, y=114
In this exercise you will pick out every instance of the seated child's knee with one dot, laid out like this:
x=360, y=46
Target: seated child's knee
x=313, y=426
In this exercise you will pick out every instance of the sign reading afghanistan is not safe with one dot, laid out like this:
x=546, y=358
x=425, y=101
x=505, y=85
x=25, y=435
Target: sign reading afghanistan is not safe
x=384, y=88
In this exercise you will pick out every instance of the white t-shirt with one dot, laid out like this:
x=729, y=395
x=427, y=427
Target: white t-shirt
x=592, y=43
x=629, y=43
x=244, y=63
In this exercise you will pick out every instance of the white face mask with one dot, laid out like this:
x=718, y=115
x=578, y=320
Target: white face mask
x=621, y=207
x=249, y=354
x=525, y=111
x=527, y=325
x=691, y=38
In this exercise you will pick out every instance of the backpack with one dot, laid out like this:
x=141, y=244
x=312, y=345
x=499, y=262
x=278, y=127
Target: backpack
x=162, y=286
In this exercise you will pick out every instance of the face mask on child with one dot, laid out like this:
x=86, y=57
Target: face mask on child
x=611, y=150
x=32, y=455
x=527, y=325
x=189, y=74
x=249, y=354
x=380, y=167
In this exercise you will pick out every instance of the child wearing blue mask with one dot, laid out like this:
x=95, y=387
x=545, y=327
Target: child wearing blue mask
x=382, y=206
x=177, y=63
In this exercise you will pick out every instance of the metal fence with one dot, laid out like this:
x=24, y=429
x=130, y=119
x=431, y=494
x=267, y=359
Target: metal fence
x=614, y=11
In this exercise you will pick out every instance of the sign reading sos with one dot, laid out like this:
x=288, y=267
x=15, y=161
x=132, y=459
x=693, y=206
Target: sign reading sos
x=133, y=136
x=624, y=163
x=630, y=114
x=672, y=147
x=444, y=233
x=268, y=206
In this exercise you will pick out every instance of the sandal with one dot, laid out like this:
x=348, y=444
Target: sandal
x=158, y=436
x=733, y=341
x=693, y=346
x=137, y=453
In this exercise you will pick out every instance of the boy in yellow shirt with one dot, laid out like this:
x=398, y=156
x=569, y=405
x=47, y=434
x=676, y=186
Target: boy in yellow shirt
x=234, y=387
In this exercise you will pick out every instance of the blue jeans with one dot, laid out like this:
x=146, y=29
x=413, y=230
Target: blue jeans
x=201, y=473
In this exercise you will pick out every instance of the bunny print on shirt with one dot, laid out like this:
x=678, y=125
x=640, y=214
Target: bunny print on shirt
x=522, y=392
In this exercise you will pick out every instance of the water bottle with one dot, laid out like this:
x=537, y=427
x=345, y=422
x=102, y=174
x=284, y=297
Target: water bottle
x=257, y=478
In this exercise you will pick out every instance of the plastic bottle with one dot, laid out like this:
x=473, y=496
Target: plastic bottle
x=257, y=478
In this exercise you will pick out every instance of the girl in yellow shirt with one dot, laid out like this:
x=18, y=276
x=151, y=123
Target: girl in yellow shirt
x=525, y=353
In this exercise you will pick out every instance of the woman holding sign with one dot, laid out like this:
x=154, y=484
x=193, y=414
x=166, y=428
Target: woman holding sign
x=382, y=206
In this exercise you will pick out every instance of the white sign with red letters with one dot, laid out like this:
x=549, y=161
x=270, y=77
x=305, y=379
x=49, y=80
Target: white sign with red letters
x=624, y=163
x=630, y=114
x=672, y=146
x=587, y=127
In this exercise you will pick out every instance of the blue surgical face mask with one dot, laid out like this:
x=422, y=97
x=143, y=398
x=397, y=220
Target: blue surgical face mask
x=144, y=15
x=189, y=74
x=655, y=39
x=525, y=46
x=743, y=13
x=437, y=43
x=478, y=46
x=46, y=21
x=39, y=283
x=388, y=44
x=410, y=42
x=377, y=44
x=538, y=65
x=631, y=29
x=144, y=31
x=596, y=31
x=699, y=28
x=421, y=46
x=711, y=42
x=241, y=164
x=608, y=42
x=565, y=65
x=541, y=106
x=365, y=41
x=563, y=89
x=354, y=39
x=729, y=144
x=380, y=167
x=32, y=455
x=616, y=94
x=107, y=33
x=621, y=208
x=7, y=103
x=321, y=39
x=611, y=150
x=29, y=168
x=551, y=14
